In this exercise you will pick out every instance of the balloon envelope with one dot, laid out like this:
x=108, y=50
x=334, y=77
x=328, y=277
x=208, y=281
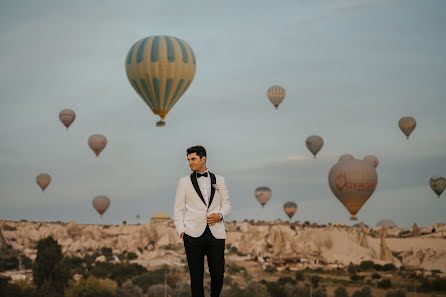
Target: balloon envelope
x=276, y=94
x=160, y=69
x=372, y=160
x=407, y=125
x=97, y=143
x=290, y=208
x=314, y=144
x=101, y=203
x=67, y=117
x=263, y=194
x=353, y=182
x=438, y=184
x=43, y=180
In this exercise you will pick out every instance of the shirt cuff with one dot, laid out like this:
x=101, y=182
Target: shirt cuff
x=221, y=216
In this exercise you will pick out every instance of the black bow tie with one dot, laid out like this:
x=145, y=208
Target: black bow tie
x=204, y=174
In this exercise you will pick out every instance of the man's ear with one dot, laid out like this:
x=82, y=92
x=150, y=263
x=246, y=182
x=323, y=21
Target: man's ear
x=204, y=157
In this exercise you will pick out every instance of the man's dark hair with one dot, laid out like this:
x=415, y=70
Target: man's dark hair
x=198, y=149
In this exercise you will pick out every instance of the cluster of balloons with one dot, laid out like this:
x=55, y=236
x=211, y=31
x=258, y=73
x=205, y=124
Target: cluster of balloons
x=97, y=143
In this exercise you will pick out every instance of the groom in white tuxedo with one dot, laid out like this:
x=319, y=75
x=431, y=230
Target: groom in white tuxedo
x=201, y=205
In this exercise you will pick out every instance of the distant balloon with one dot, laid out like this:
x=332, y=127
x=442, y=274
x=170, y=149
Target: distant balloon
x=314, y=144
x=290, y=209
x=160, y=69
x=137, y=216
x=372, y=159
x=43, y=180
x=407, y=125
x=352, y=182
x=97, y=142
x=67, y=117
x=263, y=194
x=101, y=203
x=438, y=184
x=276, y=94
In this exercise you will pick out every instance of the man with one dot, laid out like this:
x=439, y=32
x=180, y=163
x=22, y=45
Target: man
x=201, y=205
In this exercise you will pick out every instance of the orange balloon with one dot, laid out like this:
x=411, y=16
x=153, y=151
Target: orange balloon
x=43, y=180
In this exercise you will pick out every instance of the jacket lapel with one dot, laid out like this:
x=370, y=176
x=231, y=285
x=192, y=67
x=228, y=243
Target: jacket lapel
x=213, y=182
x=193, y=178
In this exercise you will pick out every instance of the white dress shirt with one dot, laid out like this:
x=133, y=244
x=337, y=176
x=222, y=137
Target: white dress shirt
x=204, y=183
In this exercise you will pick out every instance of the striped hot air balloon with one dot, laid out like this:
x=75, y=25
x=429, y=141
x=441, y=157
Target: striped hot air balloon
x=276, y=94
x=43, y=180
x=290, y=208
x=160, y=69
x=67, y=117
x=263, y=194
x=407, y=125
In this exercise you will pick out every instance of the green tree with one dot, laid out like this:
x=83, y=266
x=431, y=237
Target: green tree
x=385, y=283
x=340, y=292
x=51, y=271
x=364, y=292
x=352, y=268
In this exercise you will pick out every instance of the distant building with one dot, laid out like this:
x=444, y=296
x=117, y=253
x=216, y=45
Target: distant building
x=160, y=217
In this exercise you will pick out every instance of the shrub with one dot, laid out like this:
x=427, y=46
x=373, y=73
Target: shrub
x=396, y=293
x=129, y=289
x=352, y=268
x=119, y=272
x=366, y=265
x=270, y=269
x=385, y=283
x=149, y=278
x=364, y=292
x=131, y=256
x=108, y=253
x=233, y=268
x=356, y=277
x=389, y=267
x=92, y=287
x=340, y=292
x=315, y=281
x=376, y=276
x=299, y=276
x=158, y=290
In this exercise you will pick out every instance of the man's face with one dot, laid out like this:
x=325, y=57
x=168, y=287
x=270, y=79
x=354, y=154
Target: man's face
x=195, y=163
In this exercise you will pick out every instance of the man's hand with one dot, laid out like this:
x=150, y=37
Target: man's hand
x=213, y=218
x=182, y=234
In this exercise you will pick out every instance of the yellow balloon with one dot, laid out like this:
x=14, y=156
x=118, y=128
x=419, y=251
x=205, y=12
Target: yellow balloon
x=160, y=69
x=276, y=94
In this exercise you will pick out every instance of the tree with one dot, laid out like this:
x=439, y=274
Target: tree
x=385, y=283
x=364, y=292
x=340, y=292
x=51, y=271
x=352, y=268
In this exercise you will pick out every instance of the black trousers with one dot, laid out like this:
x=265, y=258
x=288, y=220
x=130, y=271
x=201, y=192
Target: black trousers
x=214, y=249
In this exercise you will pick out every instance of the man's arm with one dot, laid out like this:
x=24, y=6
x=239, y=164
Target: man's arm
x=178, y=211
x=224, y=200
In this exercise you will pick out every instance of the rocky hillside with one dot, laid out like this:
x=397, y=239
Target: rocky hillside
x=280, y=243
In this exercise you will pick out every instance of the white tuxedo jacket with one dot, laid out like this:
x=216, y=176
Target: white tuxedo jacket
x=190, y=210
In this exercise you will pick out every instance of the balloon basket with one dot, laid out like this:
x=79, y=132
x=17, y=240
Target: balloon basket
x=353, y=218
x=160, y=123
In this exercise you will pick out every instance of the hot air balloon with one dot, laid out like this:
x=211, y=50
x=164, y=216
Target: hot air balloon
x=137, y=216
x=67, y=117
x=263, y=194
x=97, y=142
x=43, y=180
x=276, y=94
x=314, y=144
x=352, y=182
x=438, y=184
x=101, y=203
x=160, y=69
x=372, y=159
x=290, y=209
x=407, y=125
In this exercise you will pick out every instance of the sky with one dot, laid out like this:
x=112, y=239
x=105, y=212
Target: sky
x=351, y=69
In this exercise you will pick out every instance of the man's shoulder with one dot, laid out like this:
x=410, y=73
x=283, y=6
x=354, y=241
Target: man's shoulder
x=219, y=177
